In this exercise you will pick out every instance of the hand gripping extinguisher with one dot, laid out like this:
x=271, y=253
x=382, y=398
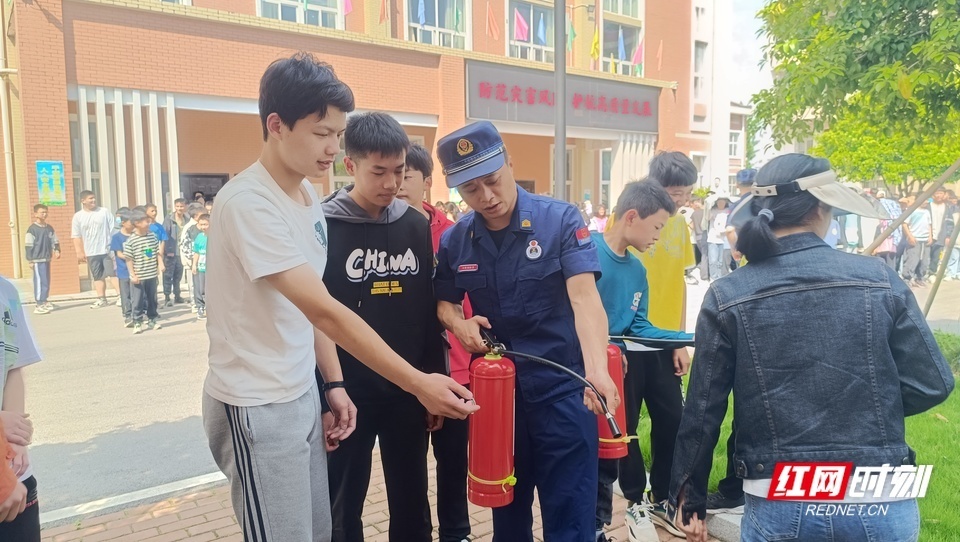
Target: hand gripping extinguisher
x=613, y=446
x=490, y=475
x=492, y=380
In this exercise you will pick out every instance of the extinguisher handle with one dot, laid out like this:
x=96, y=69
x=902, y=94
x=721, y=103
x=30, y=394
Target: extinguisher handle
x=614, y=428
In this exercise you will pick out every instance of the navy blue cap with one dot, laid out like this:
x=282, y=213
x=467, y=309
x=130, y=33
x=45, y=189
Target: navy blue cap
x=471, y=152
x=746, y=176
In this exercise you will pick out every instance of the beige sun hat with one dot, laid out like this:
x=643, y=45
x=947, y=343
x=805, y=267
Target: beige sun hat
x=825, y=187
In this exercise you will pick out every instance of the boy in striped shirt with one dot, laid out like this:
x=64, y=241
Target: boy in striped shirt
x=142, y=255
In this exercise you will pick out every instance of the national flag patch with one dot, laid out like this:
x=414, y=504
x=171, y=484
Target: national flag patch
x=468, y=268
x=583, y=236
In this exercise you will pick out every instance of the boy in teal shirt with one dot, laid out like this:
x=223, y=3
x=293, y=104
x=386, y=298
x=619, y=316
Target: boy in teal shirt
x=642, y=211
x=200, y=266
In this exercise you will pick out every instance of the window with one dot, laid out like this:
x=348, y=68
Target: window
x=700, y=162
x=699, y=69
x=735, y=144
x=606, y=169
x=94, y=156
x=438, y=22
x=701, y=15
x=531, y=32
x=620, y=48
x=325, y=13
x=627, y=8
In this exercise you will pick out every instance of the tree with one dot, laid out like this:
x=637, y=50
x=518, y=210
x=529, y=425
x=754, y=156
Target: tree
x=862, y=151
x=754, y=127
x=884, y=61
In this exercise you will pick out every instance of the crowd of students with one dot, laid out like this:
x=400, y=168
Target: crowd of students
x=369, y=306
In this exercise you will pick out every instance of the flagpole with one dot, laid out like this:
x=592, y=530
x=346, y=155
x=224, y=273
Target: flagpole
x=560, y=100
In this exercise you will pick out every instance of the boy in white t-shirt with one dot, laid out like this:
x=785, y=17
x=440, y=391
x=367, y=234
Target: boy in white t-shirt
x=17, y=350
x=273, y=321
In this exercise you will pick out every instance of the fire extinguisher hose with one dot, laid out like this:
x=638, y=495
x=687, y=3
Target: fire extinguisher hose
x=614, y=428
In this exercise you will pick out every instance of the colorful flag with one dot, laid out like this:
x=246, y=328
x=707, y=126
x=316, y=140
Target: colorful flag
x=521, y=30
x=637, y=59
x=613, y=64
x=541, y=31
x=347, y=7
x=595, y=46
x=571, y=35
x=660, y=56
x=493, y=29
x=383, y=11
x=621, y=50
x=458, y=19
x=422, y=13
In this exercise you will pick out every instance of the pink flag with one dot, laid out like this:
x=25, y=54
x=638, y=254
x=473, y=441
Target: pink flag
x=347, y=7
x=521, y=30
x=638, y=55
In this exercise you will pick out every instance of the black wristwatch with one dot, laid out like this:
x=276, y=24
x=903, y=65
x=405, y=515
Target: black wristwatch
x=327, y=386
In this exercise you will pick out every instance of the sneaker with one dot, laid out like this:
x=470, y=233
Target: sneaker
x=718, y=503
x=153, y=324
x=640, y=523
x=49, y=306
x=168, y=303
x=128, y=322
x=137, y=328
x=41, y=309
x=119, y=302
x=99, y=303
x=179, y=301
x=664, y=515
x=201, y=314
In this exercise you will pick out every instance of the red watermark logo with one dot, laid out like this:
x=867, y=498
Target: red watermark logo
x=838, y=481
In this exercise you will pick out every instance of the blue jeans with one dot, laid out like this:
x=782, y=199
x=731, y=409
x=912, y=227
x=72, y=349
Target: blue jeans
x=953, y=264
x=719, y=260
x=785, y=521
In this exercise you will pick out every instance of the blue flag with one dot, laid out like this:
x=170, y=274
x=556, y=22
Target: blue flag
x=621, y=50
x=541, y=31
x=422, y=14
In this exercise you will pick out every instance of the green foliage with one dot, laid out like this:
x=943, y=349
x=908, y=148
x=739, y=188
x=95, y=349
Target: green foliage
x=863, y=151
x=754, y=127
x=949, y=344
x=701, y=192
x=880, y=60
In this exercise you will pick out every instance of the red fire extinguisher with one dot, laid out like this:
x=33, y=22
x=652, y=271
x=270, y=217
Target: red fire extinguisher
x=613, y=447
x=490, y=470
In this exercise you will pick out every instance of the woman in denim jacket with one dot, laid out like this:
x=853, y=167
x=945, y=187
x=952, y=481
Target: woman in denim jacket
x=826, y=353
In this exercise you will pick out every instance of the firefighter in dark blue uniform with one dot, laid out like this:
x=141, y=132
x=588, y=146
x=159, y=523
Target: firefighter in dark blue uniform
x=530, y=269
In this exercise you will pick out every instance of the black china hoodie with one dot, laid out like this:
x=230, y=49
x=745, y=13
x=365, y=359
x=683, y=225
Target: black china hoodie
x=382, y=269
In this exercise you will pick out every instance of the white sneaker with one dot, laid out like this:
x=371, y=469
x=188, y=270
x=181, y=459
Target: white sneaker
x=98, y=303
x=639, y=526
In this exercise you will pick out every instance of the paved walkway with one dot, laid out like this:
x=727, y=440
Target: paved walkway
x=207, y=515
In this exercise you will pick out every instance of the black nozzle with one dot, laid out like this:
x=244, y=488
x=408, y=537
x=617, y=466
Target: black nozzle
x=614, y=428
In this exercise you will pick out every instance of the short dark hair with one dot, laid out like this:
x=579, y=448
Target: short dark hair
x=646, y=197
x=418, y=158
x=140, y=209
x=124, y=214
x=374, y=132
x=180, y=200
x=299, y=86
x=204, y=216
x=195, y=209
x=39, y=206
x=138, y=215
x=85, y=193
x=150, y=206
x=673, y=168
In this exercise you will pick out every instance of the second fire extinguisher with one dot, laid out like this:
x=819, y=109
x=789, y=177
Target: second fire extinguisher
x=613, y=447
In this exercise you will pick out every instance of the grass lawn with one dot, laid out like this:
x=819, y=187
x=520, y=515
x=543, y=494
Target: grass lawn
x=935, y=435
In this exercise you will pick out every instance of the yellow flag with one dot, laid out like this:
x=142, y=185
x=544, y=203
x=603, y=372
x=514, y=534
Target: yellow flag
x=595, y=46
x=613, y=65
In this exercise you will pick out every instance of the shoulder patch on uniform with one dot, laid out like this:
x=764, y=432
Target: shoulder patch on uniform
x=583, y=236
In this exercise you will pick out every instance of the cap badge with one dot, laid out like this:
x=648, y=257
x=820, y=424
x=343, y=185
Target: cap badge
x=464, y=147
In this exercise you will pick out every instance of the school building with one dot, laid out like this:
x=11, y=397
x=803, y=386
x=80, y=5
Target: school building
x=148, y=100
